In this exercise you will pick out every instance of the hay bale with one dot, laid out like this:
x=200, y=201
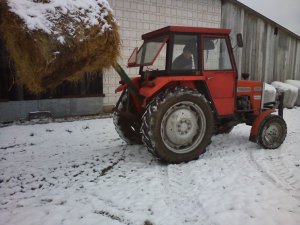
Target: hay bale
x=290, y=93
x=295, y=83
x=54, y=41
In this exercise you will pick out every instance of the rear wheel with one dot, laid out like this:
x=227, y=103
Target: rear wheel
x=272, y=132
x=177, y=125
x=127, y=122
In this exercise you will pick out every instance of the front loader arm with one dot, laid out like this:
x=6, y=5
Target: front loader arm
x=132, y=85
x=125, y=78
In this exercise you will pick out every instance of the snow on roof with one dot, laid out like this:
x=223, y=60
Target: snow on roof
x=46, y=16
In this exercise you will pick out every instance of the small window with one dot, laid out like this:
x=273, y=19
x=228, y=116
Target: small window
x=185, y=52
x=216, y=56
x=149, y=51
x=160, y=62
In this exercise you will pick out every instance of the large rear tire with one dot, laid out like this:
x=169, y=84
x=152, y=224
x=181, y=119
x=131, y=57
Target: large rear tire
x=178, y=125
x=127, y=123
x=272, y=132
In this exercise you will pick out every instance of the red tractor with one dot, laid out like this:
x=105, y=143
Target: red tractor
x=188, y=90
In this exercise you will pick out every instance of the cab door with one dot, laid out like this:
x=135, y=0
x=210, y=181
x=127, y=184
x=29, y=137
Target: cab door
x=220, y=73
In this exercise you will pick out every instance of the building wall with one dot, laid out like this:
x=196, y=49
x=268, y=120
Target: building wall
x=64, y=107
x=265, y=56
x=270, y=51
x=139, y=17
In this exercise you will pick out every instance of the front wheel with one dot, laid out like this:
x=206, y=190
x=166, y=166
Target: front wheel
x=272, y=132
x=178, y=125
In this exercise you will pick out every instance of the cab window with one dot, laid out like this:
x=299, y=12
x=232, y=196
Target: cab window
x=185, y=54
x=149, y=51
x=215, y=54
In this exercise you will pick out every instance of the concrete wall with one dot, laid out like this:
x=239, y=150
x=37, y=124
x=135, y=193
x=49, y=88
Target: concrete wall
x=265, y=56
x=139, y=17
x=15, y=110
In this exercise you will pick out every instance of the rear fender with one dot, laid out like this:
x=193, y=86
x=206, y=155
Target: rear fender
x=256, y=124
x=161, y=82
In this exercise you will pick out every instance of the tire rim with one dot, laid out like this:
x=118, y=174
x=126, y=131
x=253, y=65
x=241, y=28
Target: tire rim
x=272, y=134
x=183, y=127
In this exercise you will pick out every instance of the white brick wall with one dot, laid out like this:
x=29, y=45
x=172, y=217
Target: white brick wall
x=137, y=17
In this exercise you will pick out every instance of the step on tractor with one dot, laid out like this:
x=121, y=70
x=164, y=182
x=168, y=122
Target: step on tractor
x=188, y=90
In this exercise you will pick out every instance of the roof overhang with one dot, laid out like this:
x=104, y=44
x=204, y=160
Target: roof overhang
x=183, y=29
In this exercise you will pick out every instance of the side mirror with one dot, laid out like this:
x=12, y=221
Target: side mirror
x=239, y=40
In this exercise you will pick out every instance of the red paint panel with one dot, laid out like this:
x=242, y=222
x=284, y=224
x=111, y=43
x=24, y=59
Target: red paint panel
x=160, y=82
x=224, y=106
x=188, y=84
x=221, y=85
x=253, y=92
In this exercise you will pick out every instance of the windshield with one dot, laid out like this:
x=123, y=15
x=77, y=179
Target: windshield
x=149, y=51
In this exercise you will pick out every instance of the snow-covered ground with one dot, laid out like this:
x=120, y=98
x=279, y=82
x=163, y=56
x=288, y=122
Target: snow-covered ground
x=82, y=173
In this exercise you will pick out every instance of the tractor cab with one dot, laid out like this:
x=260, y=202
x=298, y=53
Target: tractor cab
x=188, y=90
x=181, y=50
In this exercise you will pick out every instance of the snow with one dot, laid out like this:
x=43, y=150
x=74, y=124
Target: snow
x=290, y=93
x=48, y=16
x=295, y=83
x=81, y=172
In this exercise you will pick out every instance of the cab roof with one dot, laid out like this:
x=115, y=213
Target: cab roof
x=182, y=29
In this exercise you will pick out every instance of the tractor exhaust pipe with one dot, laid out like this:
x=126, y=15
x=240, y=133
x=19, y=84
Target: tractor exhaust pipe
x=280, y=105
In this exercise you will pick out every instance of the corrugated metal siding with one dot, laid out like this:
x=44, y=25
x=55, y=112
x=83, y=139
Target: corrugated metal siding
x=265, y=55
x=297, y=62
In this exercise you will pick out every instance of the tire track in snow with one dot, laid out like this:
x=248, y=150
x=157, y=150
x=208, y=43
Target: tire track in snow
x=112, y=210
x=277, y=172
x=181, y=192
